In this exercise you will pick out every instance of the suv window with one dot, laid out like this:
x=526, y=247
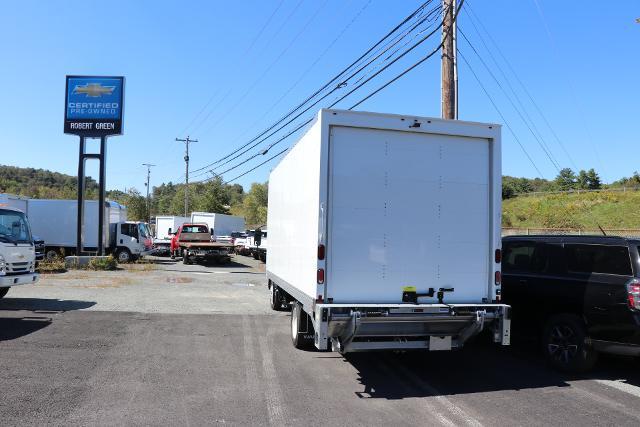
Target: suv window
x=598, y=259
x=517, y=256
x=532, y=257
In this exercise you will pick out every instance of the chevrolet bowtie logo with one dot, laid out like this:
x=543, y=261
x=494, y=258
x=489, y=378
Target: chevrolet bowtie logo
x=93, y=90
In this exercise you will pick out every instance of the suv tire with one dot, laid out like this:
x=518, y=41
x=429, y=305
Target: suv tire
x=566, y=345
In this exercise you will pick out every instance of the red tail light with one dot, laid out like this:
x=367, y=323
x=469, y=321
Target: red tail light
x=321, y=251
x=498, y=256
x=320, y=276
x=633, y=287
x=498, y=278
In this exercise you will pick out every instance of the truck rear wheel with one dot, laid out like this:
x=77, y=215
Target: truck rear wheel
x=256, y=255
x=3, y=292
x=185, y=259
x=302, y=332
x=565, y=344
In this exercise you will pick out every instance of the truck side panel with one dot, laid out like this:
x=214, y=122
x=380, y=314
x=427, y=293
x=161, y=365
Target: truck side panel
x=293, y=215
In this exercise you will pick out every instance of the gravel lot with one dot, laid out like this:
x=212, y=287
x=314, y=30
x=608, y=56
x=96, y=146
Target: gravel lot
x=170, y=344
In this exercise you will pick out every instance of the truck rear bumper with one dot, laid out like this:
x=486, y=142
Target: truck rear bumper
x=18, y=279
x=350, y=328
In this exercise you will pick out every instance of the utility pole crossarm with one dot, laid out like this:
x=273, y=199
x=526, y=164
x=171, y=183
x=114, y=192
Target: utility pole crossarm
x=186, y=141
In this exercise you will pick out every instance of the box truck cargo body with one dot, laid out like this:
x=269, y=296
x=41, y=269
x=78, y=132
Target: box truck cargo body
x=219, y=224
x=55, y=222
x=164, y=226
x=384, y=233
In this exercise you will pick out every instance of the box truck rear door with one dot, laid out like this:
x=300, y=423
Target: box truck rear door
x=407, y=209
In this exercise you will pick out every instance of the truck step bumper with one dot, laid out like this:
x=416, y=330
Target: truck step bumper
x=397, y=327
x=18, y=279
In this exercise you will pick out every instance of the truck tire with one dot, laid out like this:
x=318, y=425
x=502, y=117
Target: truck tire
x=263, y=256
x=185, y=259
x=51, y=254
x=302, y=332
x=256, y=255
x=3, y=292
x=123, y=256
x=276, y=302
x=566, y=344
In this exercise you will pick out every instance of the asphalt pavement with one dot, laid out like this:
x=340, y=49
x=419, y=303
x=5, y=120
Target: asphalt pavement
x=172, y=344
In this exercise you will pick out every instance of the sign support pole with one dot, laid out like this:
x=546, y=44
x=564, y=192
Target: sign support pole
x=80, y=222
x=101, y=195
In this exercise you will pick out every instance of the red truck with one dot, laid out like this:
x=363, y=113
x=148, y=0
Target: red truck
x=192, y=241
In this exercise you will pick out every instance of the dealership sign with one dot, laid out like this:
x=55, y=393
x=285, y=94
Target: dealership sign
x=93, y=106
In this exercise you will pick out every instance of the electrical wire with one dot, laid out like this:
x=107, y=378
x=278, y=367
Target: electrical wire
x=475, y=19
x=340, y=99
x=357, y=87
x=504, y=119
x=326, y=85
x=542, y=146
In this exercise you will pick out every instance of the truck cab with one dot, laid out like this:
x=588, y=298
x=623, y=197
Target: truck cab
x=132, y=240
x=17, y=250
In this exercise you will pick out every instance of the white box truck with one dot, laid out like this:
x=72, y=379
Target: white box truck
x=165, y=226
x=219, y=224
x=17, y=251
x=55, y=221
x=384, y=233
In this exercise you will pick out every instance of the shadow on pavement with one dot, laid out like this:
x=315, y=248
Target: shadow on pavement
x=12, y=328
x=41, y=304
x=477, y=368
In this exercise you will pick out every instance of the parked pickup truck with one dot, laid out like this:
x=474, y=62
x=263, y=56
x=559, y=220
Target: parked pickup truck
x=193, y=242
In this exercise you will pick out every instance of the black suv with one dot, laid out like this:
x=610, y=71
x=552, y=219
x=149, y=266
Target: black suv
x=579, y=294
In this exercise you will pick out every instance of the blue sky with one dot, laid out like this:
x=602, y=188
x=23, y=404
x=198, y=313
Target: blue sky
x=199, y=68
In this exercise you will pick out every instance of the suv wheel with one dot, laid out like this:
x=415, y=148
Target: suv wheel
x=566, y=344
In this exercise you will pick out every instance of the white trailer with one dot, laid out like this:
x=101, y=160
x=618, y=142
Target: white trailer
x=165, y=226
x=384, y=233
x=55, y=222
x=219, y=224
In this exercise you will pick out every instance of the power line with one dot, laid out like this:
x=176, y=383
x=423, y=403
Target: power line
x=547, y=153
x=311, y=67
x=473, y=19
x=325, y=86
x=356, y=88
x=318, y=101
x=340, y=99
x=504, y=119
x=256, y=167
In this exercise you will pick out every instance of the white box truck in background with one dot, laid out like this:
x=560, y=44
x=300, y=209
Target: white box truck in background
x=165, y=226
x=55, y=221
x=219, y=224
x=384, y=233
x=17, y=251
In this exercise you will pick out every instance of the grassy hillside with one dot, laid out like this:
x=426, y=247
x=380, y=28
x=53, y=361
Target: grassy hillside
x=41, y=183
x=609, y=209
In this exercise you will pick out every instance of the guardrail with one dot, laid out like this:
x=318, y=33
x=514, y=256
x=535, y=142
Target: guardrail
x=625, y=232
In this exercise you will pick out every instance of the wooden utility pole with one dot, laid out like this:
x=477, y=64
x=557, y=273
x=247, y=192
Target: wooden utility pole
x=186, y=172
x=449, y=72
x=149, y=166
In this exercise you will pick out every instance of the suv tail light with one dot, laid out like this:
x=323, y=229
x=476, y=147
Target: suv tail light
x=633, y=287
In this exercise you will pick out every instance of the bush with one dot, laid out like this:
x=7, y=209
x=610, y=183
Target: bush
x=55, y=265
x=107, y=263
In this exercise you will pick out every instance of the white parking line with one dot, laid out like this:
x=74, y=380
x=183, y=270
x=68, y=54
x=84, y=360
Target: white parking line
x=622, y=386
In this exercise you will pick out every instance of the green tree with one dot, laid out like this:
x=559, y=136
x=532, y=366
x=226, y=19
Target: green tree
x=593, y=180
x=583, y=180
x=255, y=204
x=566, y=180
